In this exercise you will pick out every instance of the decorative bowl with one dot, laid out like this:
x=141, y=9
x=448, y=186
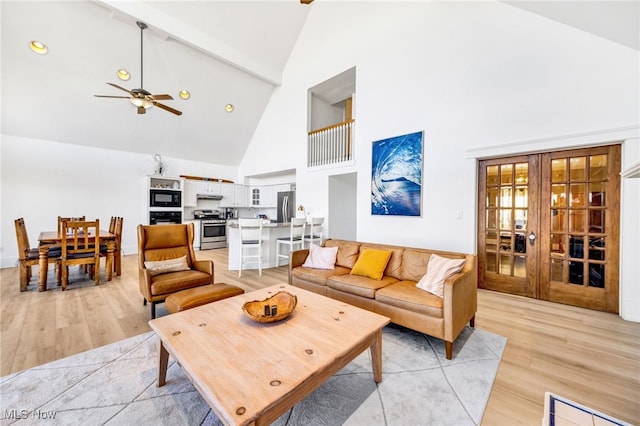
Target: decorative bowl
x=275, y=308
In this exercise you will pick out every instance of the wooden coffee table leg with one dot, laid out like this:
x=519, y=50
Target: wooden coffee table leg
x=162, y=365
x=376, y=357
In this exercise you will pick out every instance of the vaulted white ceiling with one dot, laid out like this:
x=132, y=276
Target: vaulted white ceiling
x=221, y=51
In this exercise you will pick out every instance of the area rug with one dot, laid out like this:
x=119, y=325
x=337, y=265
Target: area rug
x=116, y=385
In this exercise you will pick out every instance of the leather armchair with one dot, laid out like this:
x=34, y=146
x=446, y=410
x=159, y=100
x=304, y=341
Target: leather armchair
x=157, y=243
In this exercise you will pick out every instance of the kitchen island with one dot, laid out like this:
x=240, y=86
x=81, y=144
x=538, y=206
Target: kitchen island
x=270, y=234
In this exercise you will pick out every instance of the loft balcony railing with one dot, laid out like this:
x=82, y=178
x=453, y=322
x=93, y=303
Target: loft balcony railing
x=331, y=144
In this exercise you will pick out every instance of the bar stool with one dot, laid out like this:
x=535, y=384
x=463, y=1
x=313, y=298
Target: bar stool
x=250, y=239
x=315, y=231
x=296, y=234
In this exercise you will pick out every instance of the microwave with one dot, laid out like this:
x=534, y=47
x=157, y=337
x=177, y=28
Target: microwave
x=165, y=198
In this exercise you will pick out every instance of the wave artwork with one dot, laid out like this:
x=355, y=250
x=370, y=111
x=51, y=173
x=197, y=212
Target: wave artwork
x=396, y=175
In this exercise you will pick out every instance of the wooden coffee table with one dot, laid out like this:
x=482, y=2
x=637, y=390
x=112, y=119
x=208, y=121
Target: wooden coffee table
x=251, y=372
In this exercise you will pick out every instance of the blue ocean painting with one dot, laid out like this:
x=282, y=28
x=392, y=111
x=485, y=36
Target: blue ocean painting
x=396, y=176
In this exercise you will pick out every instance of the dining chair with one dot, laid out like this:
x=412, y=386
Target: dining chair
x=296, y=235
x=71, y=218
x=315, y=231
x=115, y=227
x=80, y=246
x=250, y=240
x=28, y=257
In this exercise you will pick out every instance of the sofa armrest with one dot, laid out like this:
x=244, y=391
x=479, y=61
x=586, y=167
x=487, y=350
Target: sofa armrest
x=297, y=258
x=205, y=266
x=460, y=299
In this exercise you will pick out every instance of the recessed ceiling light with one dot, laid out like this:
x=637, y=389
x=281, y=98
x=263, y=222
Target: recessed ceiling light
x=229, y=108
x=123, y=74
x=39, y=47
x=184, y=94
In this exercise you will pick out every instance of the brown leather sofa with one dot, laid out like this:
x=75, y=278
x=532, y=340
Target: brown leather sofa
x=396, y=295
x=163, y=243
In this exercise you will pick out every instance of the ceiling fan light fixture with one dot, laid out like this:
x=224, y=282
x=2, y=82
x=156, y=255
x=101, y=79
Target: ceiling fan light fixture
x=38, y=47
x=229, y=107
x=141, y=102
x=184, y=94
x=123, y=74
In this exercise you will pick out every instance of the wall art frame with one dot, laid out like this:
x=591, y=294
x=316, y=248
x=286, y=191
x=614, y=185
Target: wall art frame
x=396, y=175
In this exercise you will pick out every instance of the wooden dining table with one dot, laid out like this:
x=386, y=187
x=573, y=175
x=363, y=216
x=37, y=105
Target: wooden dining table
x=51, y=239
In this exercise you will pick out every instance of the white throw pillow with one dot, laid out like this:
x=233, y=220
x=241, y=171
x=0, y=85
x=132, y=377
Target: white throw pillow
x=438, y=270
x=156, y=267
x=321, y=257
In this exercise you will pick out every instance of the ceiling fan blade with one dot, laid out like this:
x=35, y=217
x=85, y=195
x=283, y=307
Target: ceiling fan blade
x=142, y=110
x=162, y=97
x=167, y=108
x=109, y=96
x=120, y=87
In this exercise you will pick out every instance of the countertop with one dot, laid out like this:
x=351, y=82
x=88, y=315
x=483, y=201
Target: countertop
x=264, y=225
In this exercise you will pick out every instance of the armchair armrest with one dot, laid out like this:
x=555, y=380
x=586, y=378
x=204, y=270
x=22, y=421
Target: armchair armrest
x=144, y=281
x=460, y=299
x=205, y=266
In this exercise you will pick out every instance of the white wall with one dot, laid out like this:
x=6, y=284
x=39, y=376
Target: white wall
x=472, y=75
x=44, y=179
x=324, y=114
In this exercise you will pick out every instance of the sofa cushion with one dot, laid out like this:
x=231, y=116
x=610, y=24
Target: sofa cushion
x=414, y=264
x=438, y=270
x=317, y=276
x=156, y=267
x=321, y=257
x=371, y=263
x=405, y=295
x=359, y=285
x=175, y=281
x=347, y=252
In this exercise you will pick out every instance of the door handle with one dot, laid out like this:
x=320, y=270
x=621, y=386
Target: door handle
x=532, y=238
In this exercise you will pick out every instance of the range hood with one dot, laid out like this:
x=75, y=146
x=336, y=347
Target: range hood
x=209, y=197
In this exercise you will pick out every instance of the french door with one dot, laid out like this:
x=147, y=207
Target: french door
x=548, y=226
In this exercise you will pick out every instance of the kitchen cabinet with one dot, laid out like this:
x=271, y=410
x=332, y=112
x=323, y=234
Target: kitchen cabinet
x=196, y=233
x=234, y=195
x=211, y=188
x=268, y=196
x=262, y=196
x=228, y=193
x=241, y=196
x=190, y=193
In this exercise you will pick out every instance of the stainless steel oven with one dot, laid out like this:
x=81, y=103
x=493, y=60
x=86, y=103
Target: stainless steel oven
x=213, y=234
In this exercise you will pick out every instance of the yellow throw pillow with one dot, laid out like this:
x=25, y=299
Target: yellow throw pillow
x=371, y=263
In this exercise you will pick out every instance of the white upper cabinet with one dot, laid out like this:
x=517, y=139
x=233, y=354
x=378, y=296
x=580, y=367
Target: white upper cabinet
x=190, y=193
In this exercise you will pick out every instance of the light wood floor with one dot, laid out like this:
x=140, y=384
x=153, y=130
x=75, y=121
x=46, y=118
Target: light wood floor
x=590, y=357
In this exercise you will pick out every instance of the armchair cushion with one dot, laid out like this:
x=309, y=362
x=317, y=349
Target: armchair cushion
x=173, y=282
x=156, y=267
x=438, y=270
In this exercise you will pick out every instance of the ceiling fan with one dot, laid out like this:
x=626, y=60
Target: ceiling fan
x=140, y=97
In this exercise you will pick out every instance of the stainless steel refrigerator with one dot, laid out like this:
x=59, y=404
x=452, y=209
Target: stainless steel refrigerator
x=286, y=206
